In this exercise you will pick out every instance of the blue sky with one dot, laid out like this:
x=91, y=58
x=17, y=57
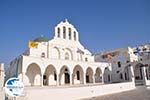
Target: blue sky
x=102, y=24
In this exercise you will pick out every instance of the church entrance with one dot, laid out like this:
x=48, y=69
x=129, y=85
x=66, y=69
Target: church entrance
x=67, y=78
x=64, y=76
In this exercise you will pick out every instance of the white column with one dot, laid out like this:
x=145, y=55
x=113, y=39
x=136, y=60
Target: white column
x=57, y=81
x=70, y=79
x=93, y=79
x=102, y=78
x=41, y=80
x=67, y=33
x=144, y=75
x=132, y=74
x=23, y=77
x=84, y=79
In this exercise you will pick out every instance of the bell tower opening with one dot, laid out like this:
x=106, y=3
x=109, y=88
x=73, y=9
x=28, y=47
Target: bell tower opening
x=65, y=30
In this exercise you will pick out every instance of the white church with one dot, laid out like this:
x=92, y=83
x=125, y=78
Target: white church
x=65, y=61
x=60, y=61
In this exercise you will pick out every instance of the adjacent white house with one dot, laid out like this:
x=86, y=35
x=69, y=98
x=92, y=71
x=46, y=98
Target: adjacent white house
x=62, y=60
x=125, y=59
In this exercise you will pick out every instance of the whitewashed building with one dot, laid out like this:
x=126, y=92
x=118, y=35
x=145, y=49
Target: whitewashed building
x=125, y=60
x=62, y=60
x=2, y=75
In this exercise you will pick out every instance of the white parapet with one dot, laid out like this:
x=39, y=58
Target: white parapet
x=75, y=93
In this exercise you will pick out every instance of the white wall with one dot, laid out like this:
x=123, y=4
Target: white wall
x=148, y=82
x=74, y=93
x=1, y=76
x=1, y=81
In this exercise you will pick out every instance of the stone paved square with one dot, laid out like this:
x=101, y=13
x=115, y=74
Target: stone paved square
x=140, y=93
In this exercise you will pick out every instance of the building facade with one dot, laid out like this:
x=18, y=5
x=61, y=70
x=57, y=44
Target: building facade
x=125, y=60
x=2, y=75
x=60, y=61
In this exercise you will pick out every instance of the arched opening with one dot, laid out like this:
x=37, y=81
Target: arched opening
x=139, y=74
x=126, y=73
x=86, y=59
x=43, y=55
x=107, y=75
x=74, y=35
x=89, y=75
x=55, y=53
x=69, y=29
x=98, y=75
x=64, y=75
x=121, y=76
x=119, y=64
x=33, y=74
x=64, y=32
x=66, y=56
x=58, y=32
x=77, y=75
x=50, y=76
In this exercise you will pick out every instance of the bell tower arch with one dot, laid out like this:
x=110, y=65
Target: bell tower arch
x=65, y=30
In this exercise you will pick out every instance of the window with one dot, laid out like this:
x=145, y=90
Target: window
x=69, y=36
x=43, y=55
x=117, y=71
x=121, y=76
x=69, y=29
x=125, y=76
x=66, y=56
x=64, y=32
x=108, y=78
x=58, y=31
x=119, y=64
x=74, y=35
x=127, y=61
x=86, y=59
x=78, y=75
